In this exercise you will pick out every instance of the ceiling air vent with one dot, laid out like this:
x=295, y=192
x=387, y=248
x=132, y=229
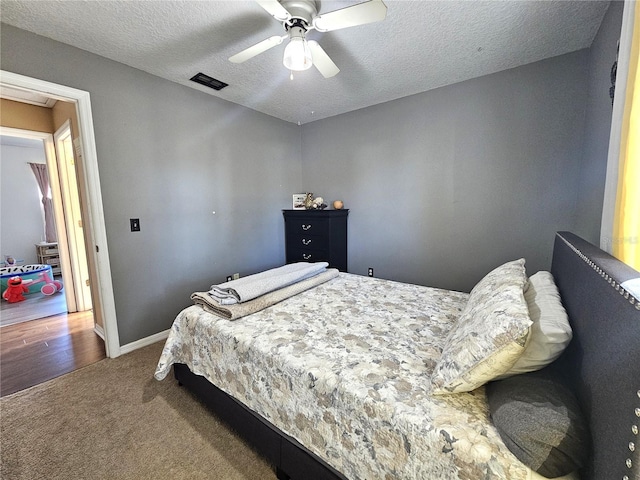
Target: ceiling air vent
x=208, y=81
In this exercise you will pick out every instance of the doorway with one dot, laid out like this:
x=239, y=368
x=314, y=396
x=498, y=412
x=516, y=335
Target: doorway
x=58, y=235
x=91, y=199
x=24, y=231
x=44, y=335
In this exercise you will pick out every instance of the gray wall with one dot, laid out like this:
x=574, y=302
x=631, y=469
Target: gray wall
x=598, y=123
x=442, y=186
x=171, y=155
x=21, y=224
x=447, y=184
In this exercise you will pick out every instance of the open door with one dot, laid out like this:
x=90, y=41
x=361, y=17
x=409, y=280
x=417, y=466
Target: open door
x=77, y=271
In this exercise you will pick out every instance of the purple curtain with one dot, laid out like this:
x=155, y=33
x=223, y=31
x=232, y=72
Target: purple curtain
x=42, y=177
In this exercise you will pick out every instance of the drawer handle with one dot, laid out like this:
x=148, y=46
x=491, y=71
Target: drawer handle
x=306, y=227
x=306, y=257
x=305, y=241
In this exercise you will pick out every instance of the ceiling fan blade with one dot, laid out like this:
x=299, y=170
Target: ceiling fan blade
x=321, y=60
x=361, y=14
x=257, y=49
x=275, y=9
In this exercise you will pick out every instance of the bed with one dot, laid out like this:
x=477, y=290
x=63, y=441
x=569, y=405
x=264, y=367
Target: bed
x=368, y=378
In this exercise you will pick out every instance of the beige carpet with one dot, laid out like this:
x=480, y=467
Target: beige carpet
x=113, y=420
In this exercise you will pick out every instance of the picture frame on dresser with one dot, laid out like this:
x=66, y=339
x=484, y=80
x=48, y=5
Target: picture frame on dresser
x=298, y=201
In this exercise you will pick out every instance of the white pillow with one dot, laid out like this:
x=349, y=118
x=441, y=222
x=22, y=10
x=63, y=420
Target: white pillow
x=550, y=332
x=490, y=334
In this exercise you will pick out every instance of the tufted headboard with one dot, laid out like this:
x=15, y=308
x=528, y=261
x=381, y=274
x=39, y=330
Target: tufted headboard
x=602, y=362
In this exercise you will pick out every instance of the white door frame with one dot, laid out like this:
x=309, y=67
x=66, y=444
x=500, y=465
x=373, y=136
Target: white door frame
x=61, y=228
x=75, y=244
x=91, y=179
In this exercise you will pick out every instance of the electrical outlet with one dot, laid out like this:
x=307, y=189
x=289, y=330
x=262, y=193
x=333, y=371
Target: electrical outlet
x=370, y=271
x=135, y=224
x=236, y=276
x=229, y=278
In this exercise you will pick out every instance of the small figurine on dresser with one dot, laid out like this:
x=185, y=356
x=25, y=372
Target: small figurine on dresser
x=318, y=204
x=308, y=201
x=311, y=203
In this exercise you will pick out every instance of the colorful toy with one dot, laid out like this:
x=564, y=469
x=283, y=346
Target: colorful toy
x=15, y=290
x=30, y=274
x=50, y=286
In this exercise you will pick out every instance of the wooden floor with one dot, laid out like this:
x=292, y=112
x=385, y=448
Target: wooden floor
x=35, y=351
x=34, y=307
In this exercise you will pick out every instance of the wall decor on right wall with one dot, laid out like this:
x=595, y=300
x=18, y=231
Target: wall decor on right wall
x=614, y=74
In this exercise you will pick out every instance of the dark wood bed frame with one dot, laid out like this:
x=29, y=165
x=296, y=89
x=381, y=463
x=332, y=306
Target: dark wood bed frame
x=602, y=364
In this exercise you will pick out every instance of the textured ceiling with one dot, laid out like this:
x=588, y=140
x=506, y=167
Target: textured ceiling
x=420, y=45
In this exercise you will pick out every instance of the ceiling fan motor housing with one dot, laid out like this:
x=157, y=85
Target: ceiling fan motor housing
x=297, y=30
x=304, y=10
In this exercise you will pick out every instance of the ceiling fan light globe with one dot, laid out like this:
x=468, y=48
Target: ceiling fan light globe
x=297, y=55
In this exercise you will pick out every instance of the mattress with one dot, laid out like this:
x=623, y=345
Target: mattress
x=344, y=368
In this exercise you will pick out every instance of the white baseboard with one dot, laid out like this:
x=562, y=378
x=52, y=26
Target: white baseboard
x=143, y=342
x=98, y=330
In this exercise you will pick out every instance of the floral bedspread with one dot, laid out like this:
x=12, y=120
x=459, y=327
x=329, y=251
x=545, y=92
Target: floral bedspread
x=345, y=369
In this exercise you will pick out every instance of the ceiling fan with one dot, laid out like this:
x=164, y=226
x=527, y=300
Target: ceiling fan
x=300, y=16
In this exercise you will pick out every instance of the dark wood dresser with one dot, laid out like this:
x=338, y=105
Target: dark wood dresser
x=316, y=236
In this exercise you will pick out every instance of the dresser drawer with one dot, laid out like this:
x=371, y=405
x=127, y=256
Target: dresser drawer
x=307, y=255
x=307, y=226
x=308, y=242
